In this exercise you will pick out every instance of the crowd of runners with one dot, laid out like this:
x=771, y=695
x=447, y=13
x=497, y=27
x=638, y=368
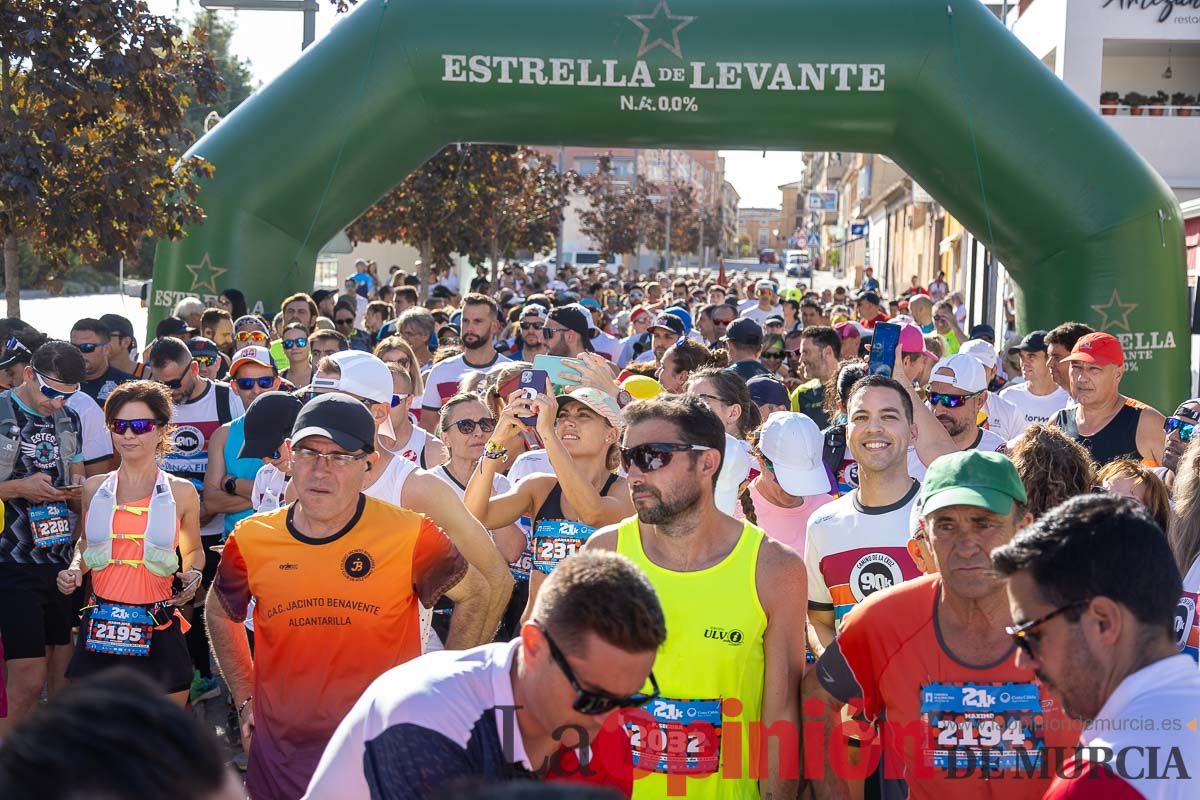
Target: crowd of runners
x=593, y=535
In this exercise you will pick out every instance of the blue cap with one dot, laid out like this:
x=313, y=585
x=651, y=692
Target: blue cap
x=768, y=389
x=683, y=315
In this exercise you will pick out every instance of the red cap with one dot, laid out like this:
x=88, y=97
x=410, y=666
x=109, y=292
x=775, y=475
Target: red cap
x=1098, y=348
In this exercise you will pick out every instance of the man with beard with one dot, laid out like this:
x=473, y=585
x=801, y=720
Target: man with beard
x=479, y=325
x=725, y=641
x=931, y=657
x=1179, y=428
x=1092, y=588
x=957, y=391
x=529, y=341
x=568, y=331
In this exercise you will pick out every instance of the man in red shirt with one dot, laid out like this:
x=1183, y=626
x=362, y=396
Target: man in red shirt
x=931, y=657
x=868, y=309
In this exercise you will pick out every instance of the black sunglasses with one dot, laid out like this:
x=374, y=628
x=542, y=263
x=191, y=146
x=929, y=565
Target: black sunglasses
x=595, y=703
x=340, y=321
x=654, y=455
x=1025, y=635
x=467, y=426
x=774, y=355
x=177, y=384
x=88, y=347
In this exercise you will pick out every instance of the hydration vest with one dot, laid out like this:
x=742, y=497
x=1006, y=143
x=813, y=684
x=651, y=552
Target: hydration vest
x=66, y=431
x=158, y=542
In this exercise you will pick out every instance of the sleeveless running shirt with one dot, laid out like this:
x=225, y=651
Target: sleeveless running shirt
x=414, y=449
x=238, y=467
x=712, y=657
x=1116, y=440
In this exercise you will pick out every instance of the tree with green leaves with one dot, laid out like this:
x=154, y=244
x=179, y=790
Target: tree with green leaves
x=421, y=212
x=685, y=220
x=511, y=198
x=213, y=34
x=92, y=97
x=616, y=211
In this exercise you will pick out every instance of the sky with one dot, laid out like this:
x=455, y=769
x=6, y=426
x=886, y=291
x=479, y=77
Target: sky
x=270, y=41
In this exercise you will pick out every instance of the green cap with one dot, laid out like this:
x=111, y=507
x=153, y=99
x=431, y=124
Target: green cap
x=972, y=478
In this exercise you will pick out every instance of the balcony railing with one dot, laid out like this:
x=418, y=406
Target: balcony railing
x=1150, y=111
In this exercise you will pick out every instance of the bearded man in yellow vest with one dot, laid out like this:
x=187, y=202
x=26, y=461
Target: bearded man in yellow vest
x=726, y=723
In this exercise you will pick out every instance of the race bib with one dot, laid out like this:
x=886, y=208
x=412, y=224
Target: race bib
x=971, y=725
x=557, y=539
x=524, y=563
x=50, y=524
x=119, y=630
x=684, y=739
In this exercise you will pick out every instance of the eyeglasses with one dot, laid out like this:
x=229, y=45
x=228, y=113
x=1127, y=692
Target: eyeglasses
x=301, y=341
x=591, y=702
x=467, y=426
x=49, y=391
x=654, y=455
x=343, y=321
x=775, y=355
x=177, y=384
x=310, y=457
x=138, y=426
x=205, y=361
x=951, y=400
x=251, y=336
x=712, y=397
x=88, y=347
x=531, y=326
x=549, y=333
x=397, y=399
x=723, y=323
x=1185, y=429
x=1025, y=635
x=264, y=382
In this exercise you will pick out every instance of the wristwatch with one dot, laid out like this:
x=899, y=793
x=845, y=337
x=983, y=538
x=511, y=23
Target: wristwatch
x=624, y=398
x=229, y=484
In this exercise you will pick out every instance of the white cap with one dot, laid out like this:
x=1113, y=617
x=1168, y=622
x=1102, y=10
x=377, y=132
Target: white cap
x=363, y=375
x=960, y=371
x=764, y=283
x=251, y=355
x=793, y=444
x=983, y=351
x=735, y=468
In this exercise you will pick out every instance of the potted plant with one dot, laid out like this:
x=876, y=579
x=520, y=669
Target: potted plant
x=1157, y=102
x=1135, y=101
x=1183, y=103
x=1108, y=103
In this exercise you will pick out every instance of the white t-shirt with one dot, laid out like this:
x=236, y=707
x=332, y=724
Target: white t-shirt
x=607, y=345
x=988, y=442
x=1003, y=417
x=424, y=723
x=528, y=463
x=853, y=551
x=1033, y=408
x=1187, y=621
x=758, y=315
x=96, y=441
x=270, y=483
x=442, y=382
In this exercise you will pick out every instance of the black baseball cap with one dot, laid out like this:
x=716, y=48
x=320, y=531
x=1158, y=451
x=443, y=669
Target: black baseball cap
x=269, y=420
x=200, y=346
x=1034, y=342
x=743, y=330
x=320, y=294
x=441, y=291
x=574, y=319
x=768, y=389
x=985, y=332
x=118, y=324
x=339, y=417
x=172, y=326
x=670, y=322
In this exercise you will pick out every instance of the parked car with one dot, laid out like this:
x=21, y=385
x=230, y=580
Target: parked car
x=798, y=264
x=767, y=256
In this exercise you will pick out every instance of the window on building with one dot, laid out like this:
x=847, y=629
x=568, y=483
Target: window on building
x=587, y=166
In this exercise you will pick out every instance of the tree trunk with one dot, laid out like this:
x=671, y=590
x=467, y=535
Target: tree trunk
x=423, y=270
x=495, y=271
x=12, y=276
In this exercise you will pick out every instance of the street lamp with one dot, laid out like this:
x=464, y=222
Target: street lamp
x=309, y=7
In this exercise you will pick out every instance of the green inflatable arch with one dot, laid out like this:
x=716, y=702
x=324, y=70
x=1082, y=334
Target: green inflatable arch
x=1083, y=224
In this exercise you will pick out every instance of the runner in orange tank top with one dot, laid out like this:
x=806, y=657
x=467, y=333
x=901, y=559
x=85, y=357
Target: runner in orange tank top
x=138, y=520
